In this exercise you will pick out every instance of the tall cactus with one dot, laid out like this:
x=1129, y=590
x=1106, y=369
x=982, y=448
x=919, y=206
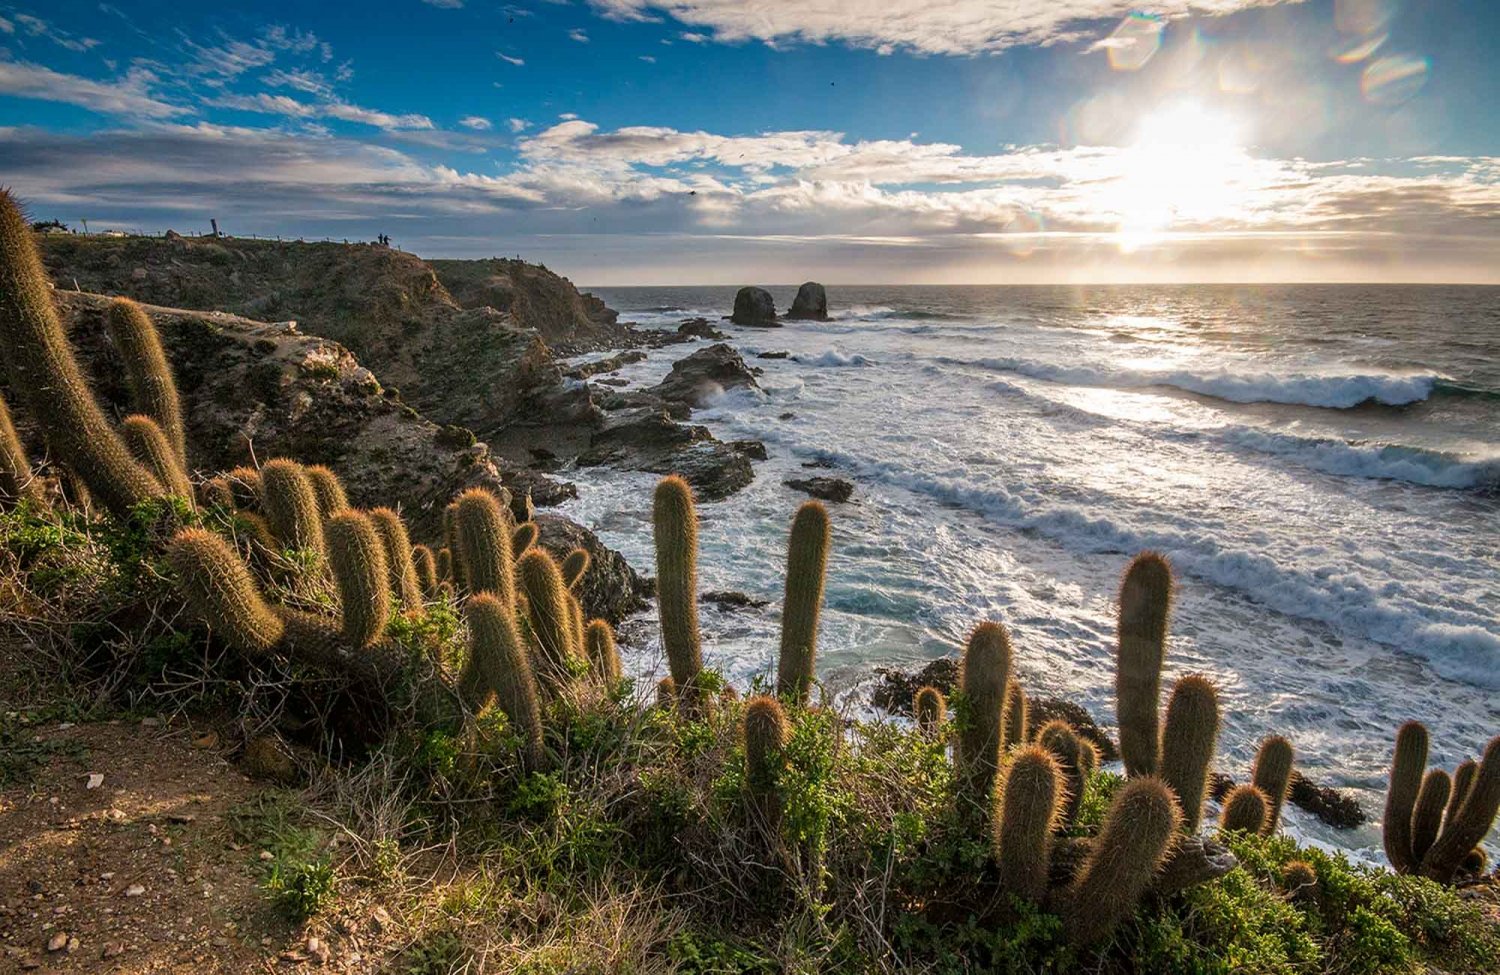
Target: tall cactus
x=1468, y=827
x=931, y=709
x=574, y=566
x=482, y=528
x=1145, y=607
x=522, y=538
x=604, y=656
x=502, y=667
x=1187, y=744
x=1136, y=837
x=147, y=374
x=46, y=376
x=806, y=568
x=328, y=488
x=1244, y=809
x=17, y=481
x=1016, y=731
x=398, y=557
x=149, y=445
x=425, y=566
x=218, y=585
x=1407, y=767
x=1029, y=811
x=1427, y=814
x=983, y=679
x=1272, y=775
x=357, y=558
x=767, y=733
x=1067, y=749
x=675, y=526
x=550, y=616
x=1463, y=781
x=291, y=505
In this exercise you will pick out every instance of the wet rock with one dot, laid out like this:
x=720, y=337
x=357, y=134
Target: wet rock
x=608, y=364
x=704, y=375
x=650, y=440
x=823, y=488
x=543, y=491
x=732, y=599
x=754, y=306
x=699, y=328
x=811, y=303
x=776, y=354
x=611, y=590
x=753, y=449
x=1325, y=802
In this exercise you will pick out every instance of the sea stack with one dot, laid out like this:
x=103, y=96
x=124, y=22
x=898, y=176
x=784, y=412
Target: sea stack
x=754, y=306
x=811, y=303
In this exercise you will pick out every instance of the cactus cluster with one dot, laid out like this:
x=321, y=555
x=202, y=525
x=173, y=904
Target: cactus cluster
x=1433, y=822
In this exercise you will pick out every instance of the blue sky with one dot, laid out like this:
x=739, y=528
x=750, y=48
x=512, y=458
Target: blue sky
x=683, y=141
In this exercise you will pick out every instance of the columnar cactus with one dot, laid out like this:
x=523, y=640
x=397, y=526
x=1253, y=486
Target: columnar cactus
x=482, y=527
x=454, y=547
x=16, y=479
x=1427, y=814
x=218, y=585
x=357, y=557
x=766, y=732
x=425, y=566
x=574, y=566
x=1016, y=732
x=1067, y=749
x=523, y=538
x=550, y=616
x=1299, y=880
x=1145, y=606
x=396, y=542
x=1244, y=810
x=1272, y=775
x=149, y=377
x=1029, y=810
x=1134, y=841
x=150, y=446
x=604, y=656
x=503, y=668
x=291, y=505
x=1463, y=781
x=44, y=373
x=245, y=485
x=675, y=526
x=1407, y=767
x=983, y=679
x=666, y=693
x=328, y=488
x=931, y=708
x=1187, y=744
x=806, y=568
x=1464, y=831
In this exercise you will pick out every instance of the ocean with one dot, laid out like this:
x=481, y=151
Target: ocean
x=1320, y=463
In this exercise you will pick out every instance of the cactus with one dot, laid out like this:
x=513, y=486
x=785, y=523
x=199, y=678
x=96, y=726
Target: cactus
x=523, y=538
x=17, y=482
x=503, y=667
x=216, y=492
x=152, y=388
x=328, y=489
x=1145, y=605
x=357, y=557
x=1187, y=744
x=1029, y=812
x=1464, y=831
x=245, y=484
x=45, y=374
x=218, y=586
x=604, y=656
x=766, y=732
x=675, y=526
x=483, y=531
x=1015, y=732
x=1066, y=748
x=666, y=693
x=931, y=709
x=574, y=566
x=398, y=557
x=983, y=679
x=1427, y=814
x=425, y=566
x=455, y=550
x=1463, y=781
x=445, y=567
x=1407, y=767
x=149, y=445
x=291, y=505
x=806, y=567
x=1272, y=775
x=1299, y=880
x=1244, y=810
x=550, y=616
x=254, y=527
x=1476, y=863
x=1135, y=839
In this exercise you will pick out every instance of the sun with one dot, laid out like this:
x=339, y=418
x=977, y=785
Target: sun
x=1181, y=170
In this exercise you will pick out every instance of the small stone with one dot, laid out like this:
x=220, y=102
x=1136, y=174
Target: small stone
x=317, y=950
x=58, y=941
x=380, y=918
x=134, y=890
x=267, y=855
x=96, y=779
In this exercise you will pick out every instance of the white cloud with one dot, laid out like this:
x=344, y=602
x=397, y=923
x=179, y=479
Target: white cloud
x=518, y=124
x=578, y=35
x=37, y=27
x=128, y=96
x=950, y=27
x=648, y=59
x=518, y=62
x=344, y=111
x=476, y=122
x=445, y=4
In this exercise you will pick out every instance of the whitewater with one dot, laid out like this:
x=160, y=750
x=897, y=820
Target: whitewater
x=1320, y=463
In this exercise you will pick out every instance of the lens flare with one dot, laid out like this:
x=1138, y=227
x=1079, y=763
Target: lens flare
x=1392, y=80
x=1134, y=42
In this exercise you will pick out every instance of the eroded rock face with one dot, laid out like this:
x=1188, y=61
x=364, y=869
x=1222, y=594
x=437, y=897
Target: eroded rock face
x=704, y=375
x=811, y=303
x=647, y=439
x=754, y=306
x=568, y=320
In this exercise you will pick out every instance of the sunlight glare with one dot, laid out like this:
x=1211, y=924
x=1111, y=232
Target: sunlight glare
x=1177, y=170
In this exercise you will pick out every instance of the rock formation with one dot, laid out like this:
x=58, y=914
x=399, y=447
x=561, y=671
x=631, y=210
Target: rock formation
x=705, y=374
x=754, y=306
x=811, y=303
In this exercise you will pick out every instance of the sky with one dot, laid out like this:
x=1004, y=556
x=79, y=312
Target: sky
x=771, y=141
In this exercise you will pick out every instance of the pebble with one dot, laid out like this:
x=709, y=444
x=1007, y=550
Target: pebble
x=317, y=949
x=58, y=941
x=134, y=890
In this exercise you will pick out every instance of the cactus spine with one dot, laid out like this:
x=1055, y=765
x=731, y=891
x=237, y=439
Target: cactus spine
x=1015, y=716
x=245, y=484
x=149, y=445
x=1028, y=813
x=425, y=567
x=574, y=566
x=675, y=526
x=1427, y=814
x=1244, y=810
x=483, y=531
x=503, y=667
x=1463, y=832
x=398, y=557
x=152, y=387
x=1066, y=748
x=357, y=557
x=1145, y=606
x=550, y=615
x=1407, y=766
x=983, y=679
x=452, y=544
x=45, y=374
x=1187, y=744
x=1135, y=839
x=604, y=656
x=931, y=709
x=16, y=480
x=328, y=489
x=1272, y=775
x=291, y=505
x=218, y=586
x=806, y=568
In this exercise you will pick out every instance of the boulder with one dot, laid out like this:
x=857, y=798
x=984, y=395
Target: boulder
x=811, y=303
x=754, y=306
x=646, y=439
x=823, y=488
x=699, y=328
x=698, y=378
x=611, y=590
